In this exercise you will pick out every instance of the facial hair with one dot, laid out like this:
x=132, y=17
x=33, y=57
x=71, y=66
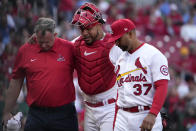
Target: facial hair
x=123, y=48
x=93, y=39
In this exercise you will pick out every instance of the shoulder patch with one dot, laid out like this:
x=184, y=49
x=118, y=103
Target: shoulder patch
x=164, y=70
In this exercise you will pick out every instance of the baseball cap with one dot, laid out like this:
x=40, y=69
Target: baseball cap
x=120, y=27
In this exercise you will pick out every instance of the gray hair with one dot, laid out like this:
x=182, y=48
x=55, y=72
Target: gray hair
x=44, y=24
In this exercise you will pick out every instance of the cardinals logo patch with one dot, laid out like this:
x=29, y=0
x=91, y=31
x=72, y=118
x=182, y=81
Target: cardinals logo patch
x=164, y=70
x=60, y=58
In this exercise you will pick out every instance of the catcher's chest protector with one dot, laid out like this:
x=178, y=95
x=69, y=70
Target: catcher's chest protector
x=95, y=71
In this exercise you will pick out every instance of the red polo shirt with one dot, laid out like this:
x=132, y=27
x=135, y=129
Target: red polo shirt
x=49, y=74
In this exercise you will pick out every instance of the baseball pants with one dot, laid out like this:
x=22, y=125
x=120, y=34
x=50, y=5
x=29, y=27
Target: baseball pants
x=99, y=118
x=126, y=121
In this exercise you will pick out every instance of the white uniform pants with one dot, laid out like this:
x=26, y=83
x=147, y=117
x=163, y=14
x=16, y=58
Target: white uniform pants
x=126, y=121
x=99, y=118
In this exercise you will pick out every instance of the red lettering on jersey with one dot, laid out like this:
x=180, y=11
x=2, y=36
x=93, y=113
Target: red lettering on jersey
x=117, y=71
x=127, y=79
x=120, y=82
x=139, y=65
x=131, y=78
x=137, y=78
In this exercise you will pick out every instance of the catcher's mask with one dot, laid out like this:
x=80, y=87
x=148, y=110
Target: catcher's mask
x=87, y=16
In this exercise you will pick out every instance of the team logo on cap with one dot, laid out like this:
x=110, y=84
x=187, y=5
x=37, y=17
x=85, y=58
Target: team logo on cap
x=164, y=70
x=125, y=29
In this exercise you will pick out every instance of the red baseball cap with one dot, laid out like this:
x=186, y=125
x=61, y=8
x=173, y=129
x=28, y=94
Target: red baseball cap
x=120, y=27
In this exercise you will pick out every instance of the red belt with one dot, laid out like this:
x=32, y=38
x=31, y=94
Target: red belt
x=135, y=108
x=102, y=103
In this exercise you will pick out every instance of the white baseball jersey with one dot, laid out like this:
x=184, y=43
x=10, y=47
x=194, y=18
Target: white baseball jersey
x=136, y=73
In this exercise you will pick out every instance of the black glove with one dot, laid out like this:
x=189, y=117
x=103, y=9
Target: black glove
x=165, y=120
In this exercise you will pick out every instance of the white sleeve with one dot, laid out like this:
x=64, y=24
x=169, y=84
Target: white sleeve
x=159, y=67
x=115, y=53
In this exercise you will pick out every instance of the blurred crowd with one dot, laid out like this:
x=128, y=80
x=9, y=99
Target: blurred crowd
x=170, y=25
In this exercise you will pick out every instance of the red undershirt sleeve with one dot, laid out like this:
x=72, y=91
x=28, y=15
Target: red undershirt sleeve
x=160, y=96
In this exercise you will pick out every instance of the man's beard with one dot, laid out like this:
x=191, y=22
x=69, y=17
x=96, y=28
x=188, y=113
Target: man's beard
x=92, y=39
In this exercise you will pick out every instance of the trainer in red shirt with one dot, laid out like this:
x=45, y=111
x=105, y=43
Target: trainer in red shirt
x=48, y=68
x=48, y=73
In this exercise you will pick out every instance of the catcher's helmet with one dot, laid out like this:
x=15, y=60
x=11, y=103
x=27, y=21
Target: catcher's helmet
x=87, y=16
